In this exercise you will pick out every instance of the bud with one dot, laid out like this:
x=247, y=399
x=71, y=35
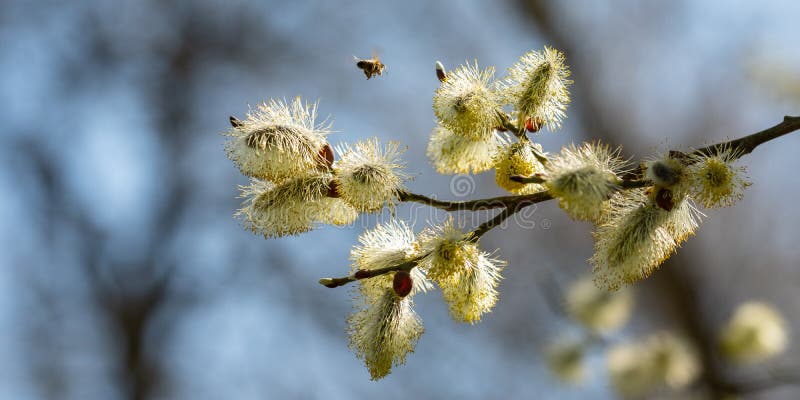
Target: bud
x=663, y=199
x=402, y=283
x=383, y=330
x=533, y=124
x=235, y=122
x=660, y=360
x=333, y=190
x=637, y=235
x=326, y=157
x=440, y=72
x=385, y=246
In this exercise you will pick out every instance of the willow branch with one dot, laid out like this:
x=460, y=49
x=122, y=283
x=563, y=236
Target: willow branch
x=514, y=204
x=474, y=205
x=741, y=146
x=747, y=144
x=500, y=201
x=495, y=221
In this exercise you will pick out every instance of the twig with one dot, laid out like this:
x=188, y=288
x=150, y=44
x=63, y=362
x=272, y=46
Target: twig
x=506, y=124
x=495, y=221
x=474, y=205
x=409, y=265
x=365, y=274
x=747, y=144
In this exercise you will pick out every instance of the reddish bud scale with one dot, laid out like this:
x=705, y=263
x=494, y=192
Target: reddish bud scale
x=664, y=199
x=533, y=124
x=333, y=190
x=402, y=283
x=441, y=75
x=440, y=72
x=235, y=122
x=325, y=157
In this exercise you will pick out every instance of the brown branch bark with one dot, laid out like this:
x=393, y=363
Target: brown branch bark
x=747, y=144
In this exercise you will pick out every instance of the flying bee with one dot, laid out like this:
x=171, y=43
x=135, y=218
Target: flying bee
x=372, y=66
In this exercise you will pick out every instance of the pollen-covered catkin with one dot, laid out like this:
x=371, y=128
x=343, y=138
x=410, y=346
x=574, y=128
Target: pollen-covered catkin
x=537, y=86
x=278, y=141
x=291, y=207
x=467, y=103
x=473, y=291
x=583, y=178
x=368, y=176
x=451, y=153
x=386, y=245
x=383, y=331
x=637, y=236
x=518, y=159
x=447, y=252
x=384, y=328
x=467, y=276
x=716, y=182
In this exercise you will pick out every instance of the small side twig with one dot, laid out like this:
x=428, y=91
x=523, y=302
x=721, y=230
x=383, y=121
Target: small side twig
x=506, y=124
x=366, y=274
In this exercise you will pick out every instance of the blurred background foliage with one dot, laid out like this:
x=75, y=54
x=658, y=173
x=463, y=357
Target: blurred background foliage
x=123, y=275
